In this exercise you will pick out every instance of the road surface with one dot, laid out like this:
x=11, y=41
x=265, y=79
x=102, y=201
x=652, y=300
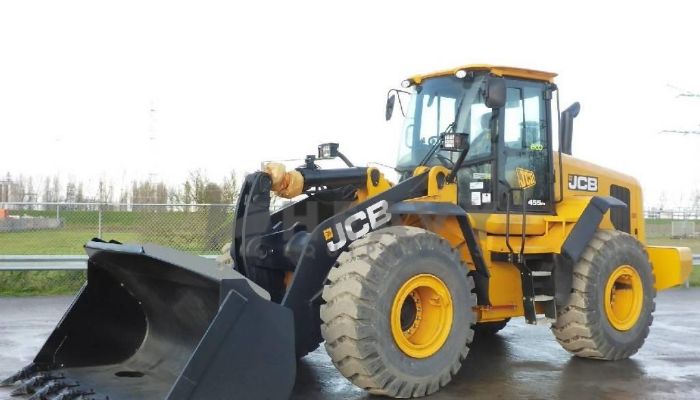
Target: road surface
x=522, y=362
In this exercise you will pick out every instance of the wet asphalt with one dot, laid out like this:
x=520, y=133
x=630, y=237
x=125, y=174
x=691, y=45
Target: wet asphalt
x=521, y=362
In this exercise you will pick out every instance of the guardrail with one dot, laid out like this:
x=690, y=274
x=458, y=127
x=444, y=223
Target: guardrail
x=49, y=262
x=78, y=262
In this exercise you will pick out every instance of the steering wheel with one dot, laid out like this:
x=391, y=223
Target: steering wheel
x=433, y=140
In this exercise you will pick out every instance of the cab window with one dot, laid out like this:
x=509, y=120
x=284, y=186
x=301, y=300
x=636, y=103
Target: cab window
x=525, y=149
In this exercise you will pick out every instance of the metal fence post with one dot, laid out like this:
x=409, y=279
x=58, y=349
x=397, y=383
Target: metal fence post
x=99, y=221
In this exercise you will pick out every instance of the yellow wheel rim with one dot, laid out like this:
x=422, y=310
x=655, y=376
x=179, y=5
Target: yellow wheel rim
x=624, y=297
x=421, y=316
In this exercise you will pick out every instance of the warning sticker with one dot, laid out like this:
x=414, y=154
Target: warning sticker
x=476, y=198
x=486, y=198
x=476, y=185
x=481, y=175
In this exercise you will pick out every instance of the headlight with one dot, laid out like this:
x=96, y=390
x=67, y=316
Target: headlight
x=461, y=74
x=406, y=84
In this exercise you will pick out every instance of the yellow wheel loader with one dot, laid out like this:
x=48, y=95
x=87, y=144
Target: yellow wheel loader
x=487, y=222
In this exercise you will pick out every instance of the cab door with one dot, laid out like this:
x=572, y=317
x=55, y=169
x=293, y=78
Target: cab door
x=525, y=157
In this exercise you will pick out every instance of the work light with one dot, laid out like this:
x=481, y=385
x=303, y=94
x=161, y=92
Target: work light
x=327, y=151
x=455, y=141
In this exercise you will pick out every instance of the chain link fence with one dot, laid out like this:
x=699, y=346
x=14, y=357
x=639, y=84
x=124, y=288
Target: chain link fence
x=676, y=223
x=60, y=229
x=35, y=229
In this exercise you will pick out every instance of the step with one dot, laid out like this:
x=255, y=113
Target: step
x=543, y=297
x=545, y=321
x=542, y=320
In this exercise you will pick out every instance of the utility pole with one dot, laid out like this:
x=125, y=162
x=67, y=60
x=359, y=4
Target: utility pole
x=152, y=143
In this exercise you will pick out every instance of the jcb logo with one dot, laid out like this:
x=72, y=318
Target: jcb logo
x=358, y=225
x=526, y=178
x=585, y=183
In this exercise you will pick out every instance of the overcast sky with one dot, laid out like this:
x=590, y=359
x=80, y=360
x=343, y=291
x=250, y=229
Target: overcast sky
x=235, y=83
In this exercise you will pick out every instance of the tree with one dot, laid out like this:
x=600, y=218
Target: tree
x=212, y=194
x=71, y=191
x=230, y=188
x=47, y=196
x=188, y=196
x=695, y=198
x=79, y=195
x=198, y=180
x=56, y=183
x=104, y=192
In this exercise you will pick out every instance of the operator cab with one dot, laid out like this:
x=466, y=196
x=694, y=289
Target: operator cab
x=509, y=142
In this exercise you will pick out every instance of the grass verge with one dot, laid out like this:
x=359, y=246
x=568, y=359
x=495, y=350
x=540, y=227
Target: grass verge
x=40, y=283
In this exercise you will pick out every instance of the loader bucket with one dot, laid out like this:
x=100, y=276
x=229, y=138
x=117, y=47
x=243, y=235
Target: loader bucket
x=155, y=323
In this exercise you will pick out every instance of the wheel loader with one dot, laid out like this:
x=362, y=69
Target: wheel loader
x=489, y=220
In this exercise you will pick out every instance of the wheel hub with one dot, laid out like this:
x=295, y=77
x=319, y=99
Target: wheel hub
x=421, y=316
x=624, y=297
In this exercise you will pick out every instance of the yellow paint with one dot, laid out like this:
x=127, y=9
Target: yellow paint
x=370, y=189
x=623, y=297
x=505, y=293
x=672, y=265
x=545, y=233
x=496, y=70
x=426, y=333
x=421, y=170
x=606, y=178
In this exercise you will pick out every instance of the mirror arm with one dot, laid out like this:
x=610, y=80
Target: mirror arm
x=345, y=160
x=398, y=97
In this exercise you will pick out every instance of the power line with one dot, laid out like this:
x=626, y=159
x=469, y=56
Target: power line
x=684, y=92
x=680, y=131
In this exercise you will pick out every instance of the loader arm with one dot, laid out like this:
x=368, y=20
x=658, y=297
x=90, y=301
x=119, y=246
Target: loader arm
x=306, y=237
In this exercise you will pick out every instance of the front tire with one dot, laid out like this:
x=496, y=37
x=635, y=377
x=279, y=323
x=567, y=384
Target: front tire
x=610, y=309
x=398, y=318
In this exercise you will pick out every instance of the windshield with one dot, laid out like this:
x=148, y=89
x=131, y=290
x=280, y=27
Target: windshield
x=433, y=107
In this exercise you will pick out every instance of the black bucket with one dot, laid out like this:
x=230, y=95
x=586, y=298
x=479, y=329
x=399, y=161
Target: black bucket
x=155, y=323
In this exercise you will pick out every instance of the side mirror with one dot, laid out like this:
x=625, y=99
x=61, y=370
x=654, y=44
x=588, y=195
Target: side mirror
x=495, y=92
x=390, y=106
x=566, y=127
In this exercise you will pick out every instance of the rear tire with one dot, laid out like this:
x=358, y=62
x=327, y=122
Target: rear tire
x=360, y=315
x=610, y=309
x=490, y=328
